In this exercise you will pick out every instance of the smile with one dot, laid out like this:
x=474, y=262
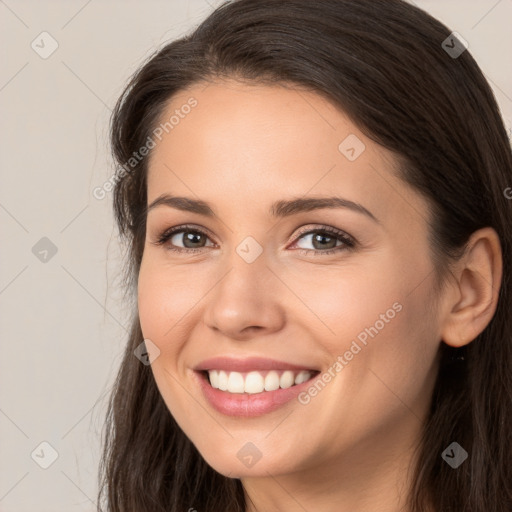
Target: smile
x=256, y=381
x=283, y=387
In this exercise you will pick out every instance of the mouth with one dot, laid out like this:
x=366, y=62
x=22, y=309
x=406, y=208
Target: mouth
x=254, y=393
x=251, y=386
x=256, y=381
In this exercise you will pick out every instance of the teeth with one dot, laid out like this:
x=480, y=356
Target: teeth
x=272, y=381
x=235, y=382
x=256, y=382
x=223, y=381
x=287, y=380
x=302, y=377
x=214, y=378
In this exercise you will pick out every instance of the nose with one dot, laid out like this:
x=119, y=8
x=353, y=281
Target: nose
x=246, y=302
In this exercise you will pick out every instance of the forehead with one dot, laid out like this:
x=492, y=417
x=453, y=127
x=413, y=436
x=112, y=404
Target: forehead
x=250, y=145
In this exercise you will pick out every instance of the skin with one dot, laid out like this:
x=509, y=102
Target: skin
x=242, y=148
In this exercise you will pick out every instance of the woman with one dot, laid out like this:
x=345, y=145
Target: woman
x=314, y=199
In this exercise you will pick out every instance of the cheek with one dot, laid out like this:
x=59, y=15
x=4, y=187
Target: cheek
x=356, y=302
x=153, y=301
x=165, y=298
x=163, y=302
x=377, y=319
x=385, y=352
x=395, y=370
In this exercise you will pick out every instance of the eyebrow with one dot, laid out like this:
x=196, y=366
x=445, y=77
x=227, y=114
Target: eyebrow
x=282, y=208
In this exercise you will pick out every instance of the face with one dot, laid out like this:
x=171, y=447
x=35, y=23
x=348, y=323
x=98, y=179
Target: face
x=336, y=293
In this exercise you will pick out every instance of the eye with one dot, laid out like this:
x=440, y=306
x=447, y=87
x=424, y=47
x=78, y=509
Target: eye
x=191, y=238
x=325, y=240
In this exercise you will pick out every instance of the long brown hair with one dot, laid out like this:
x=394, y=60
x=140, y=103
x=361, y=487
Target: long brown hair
x=383, y=63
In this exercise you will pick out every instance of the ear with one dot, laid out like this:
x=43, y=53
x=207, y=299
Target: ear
x=474, y=296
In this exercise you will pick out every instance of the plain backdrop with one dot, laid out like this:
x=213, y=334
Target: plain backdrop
x=63, y=317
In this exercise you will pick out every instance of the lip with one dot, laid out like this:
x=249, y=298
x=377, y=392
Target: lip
x=248, y=364
x=245, y=404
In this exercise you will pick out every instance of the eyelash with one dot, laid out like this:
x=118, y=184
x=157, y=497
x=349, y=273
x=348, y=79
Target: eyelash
x=348, y=241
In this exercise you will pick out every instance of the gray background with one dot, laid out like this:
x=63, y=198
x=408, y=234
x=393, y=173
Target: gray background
x=63, y=319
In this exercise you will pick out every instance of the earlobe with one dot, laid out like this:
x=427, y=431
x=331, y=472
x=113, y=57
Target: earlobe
x=477, y=286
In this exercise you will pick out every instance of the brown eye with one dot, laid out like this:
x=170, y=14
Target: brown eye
x=322, y=241
x=325, y=240
x=191, y=239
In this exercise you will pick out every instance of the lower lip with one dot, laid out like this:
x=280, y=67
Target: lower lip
x=248, y=405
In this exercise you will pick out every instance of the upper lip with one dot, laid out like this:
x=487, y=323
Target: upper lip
x=248, y=364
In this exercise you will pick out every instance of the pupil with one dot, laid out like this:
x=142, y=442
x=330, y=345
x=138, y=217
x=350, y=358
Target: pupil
x=319, y=236
x=190, y=238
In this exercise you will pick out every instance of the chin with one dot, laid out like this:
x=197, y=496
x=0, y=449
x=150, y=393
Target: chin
x=246, y=461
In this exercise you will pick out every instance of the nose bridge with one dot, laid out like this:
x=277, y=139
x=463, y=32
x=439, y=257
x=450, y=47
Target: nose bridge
x=247, y=279
x=248, y=259
x=245, y=295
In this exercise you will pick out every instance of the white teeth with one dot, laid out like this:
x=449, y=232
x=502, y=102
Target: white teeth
x=302, y=377
x=235, y=382
x=255, y=382
x=223, y=381
x=272, y=381
x=287, y=380
x=214, y=378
